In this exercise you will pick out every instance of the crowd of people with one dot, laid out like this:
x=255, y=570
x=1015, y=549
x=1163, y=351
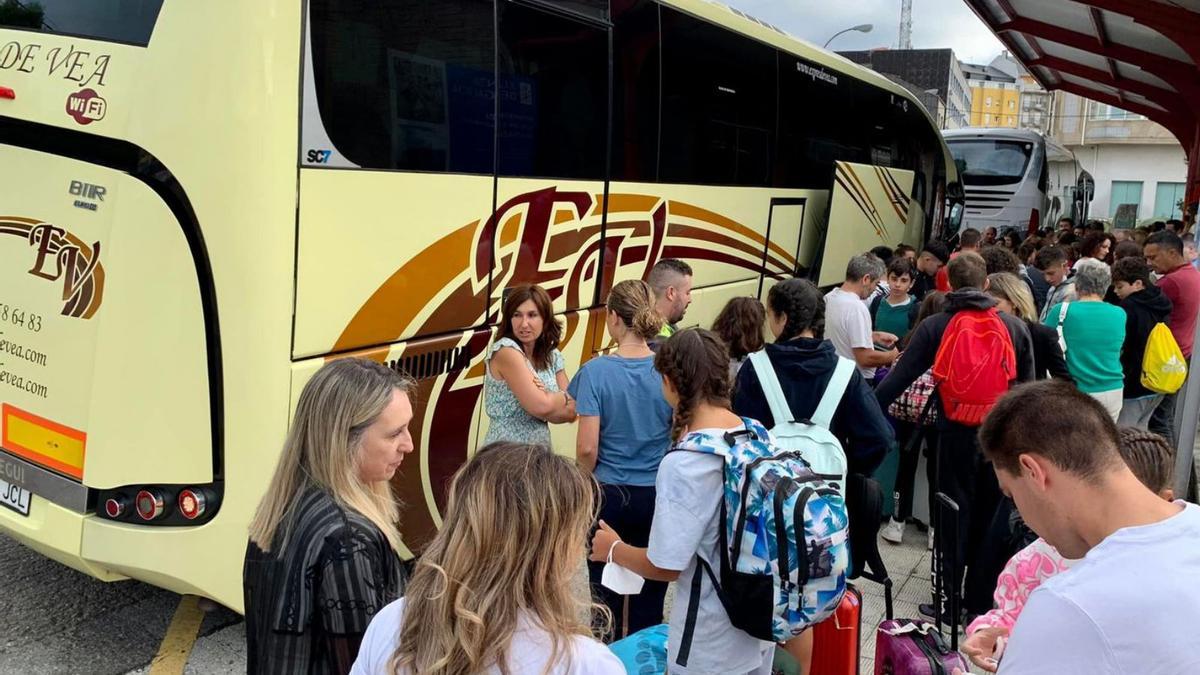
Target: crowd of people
x=1044, y=474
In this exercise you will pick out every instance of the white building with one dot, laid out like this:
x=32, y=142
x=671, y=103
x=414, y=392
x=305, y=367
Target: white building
x=1135, y=162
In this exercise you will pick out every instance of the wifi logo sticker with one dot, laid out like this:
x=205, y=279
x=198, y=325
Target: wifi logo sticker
x=86, y=106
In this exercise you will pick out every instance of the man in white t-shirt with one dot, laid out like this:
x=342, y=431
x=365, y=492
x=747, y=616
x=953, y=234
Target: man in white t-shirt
x=848, y=321
x=1132, y=604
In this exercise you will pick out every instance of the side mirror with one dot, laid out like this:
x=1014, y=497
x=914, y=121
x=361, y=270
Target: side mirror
x=1086, y=186
x=954, y=220
x=954, y=211
x=954, y=192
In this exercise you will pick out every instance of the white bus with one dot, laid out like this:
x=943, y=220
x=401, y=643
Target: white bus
x=1005, y=174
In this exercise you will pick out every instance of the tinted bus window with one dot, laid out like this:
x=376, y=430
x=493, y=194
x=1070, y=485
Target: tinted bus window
x=718, y=97
x=553, y=95
x=991, y=162
x=129, y=21
x=818, y=124
x=407, y=84
x=594, y=9
x=635, y=90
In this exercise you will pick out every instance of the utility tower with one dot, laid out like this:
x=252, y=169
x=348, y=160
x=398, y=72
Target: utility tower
x=905, y=24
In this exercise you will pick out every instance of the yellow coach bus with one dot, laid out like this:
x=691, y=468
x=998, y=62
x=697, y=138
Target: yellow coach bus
x=202, y=202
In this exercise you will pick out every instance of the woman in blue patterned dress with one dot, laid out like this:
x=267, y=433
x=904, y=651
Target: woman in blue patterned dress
x=526, y=384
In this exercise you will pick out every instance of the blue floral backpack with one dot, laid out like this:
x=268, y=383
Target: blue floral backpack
x=783, y=539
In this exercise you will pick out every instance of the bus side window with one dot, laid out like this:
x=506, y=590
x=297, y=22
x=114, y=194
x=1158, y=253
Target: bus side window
x=406, y=84
x=818, y=125
x=553, y=91
x=718, y=94
x=636, y=66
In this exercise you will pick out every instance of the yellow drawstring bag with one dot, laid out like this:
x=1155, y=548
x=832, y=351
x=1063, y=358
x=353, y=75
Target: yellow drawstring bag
x=1163, y=367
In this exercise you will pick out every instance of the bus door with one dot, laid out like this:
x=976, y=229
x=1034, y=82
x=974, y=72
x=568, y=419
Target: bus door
x=869, y=206
x=785, y=230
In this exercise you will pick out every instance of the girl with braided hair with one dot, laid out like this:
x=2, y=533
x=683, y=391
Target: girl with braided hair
x=804, y=363
x=689, y=491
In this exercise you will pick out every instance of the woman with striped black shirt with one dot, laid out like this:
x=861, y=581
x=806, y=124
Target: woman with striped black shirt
x=322, y=558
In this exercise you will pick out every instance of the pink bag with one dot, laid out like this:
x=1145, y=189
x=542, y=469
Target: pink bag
x=907, y=647
x=909, y=405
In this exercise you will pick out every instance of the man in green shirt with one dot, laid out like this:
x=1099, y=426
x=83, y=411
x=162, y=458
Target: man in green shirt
x=671, y=281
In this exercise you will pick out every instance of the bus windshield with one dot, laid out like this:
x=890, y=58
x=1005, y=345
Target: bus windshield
x=129, y=21
x=989, y=161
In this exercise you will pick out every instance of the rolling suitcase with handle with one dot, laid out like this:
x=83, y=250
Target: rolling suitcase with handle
x=914, y=646
x=837, y=641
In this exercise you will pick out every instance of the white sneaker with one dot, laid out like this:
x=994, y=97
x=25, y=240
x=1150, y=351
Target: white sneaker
x=929, y=545
x=893, y=532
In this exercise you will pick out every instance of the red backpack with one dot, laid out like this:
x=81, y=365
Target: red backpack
x=974, y=365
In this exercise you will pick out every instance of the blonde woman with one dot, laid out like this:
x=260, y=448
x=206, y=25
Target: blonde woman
x=322, y=557
x=495, y=591
x=1013, y=296
x=624, y=431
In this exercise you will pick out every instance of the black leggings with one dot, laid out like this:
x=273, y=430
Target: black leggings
x=906, y=474
x=966, y=477
x=629, y=510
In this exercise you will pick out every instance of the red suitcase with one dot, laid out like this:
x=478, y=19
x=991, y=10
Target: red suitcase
x=838, y=639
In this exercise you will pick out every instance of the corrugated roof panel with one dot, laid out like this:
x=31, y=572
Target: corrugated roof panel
x=1134, y=73
x=1064, y=14
x=1074, y=55
x=1124, y=30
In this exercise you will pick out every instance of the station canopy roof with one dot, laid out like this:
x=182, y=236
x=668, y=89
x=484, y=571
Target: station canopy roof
x=1139, y=55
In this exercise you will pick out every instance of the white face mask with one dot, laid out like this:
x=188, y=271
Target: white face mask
x=618, y=579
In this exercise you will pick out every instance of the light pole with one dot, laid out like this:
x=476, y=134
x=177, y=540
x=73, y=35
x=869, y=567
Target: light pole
x=862, y=28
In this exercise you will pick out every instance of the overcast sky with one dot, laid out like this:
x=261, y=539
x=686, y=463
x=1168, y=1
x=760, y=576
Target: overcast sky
x=936, y=24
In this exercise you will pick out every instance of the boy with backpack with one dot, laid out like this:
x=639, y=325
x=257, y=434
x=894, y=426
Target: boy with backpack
x=1145, y=307
x=976, y=354
x=755, y=538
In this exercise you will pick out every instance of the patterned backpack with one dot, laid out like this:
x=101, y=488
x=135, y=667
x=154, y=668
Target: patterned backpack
x=782, y=539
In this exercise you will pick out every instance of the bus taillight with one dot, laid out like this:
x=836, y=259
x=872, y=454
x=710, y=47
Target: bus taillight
x=1034, y=221
x=116, y=506
x=191, y=503
x=161, y=505
x=150, y=504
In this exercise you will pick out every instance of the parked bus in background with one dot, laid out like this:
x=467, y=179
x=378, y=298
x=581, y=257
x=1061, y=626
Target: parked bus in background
x=1005, y=174
x=206, y=201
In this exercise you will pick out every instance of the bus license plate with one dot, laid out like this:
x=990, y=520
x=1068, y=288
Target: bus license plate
x=15, y=497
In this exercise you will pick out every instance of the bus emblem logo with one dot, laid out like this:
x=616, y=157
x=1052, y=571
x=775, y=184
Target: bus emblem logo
x=59, y=256
x=86, y=106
